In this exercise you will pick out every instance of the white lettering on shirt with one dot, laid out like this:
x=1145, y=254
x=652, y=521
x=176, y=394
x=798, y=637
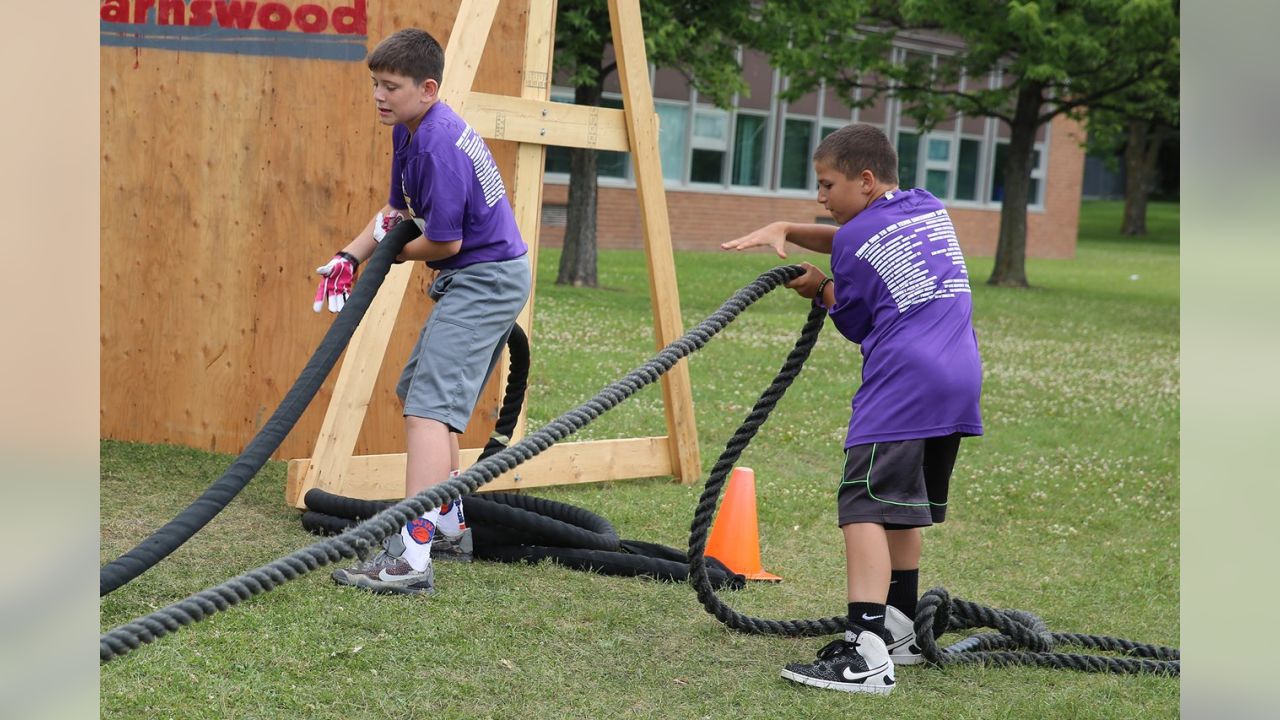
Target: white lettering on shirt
x=897, y=254
x=486, y=169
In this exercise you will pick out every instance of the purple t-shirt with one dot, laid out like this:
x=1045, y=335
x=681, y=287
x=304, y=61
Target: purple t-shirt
x=445, y=176
x=902, y=293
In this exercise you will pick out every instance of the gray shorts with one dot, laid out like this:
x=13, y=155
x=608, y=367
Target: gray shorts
x=899, y=484
x=463, y=339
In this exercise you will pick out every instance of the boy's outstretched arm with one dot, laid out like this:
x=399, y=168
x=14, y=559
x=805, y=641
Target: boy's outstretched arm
x=777, y=234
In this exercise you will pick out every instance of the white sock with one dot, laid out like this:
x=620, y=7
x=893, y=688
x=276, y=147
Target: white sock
x=452, y=521
x=417, y=539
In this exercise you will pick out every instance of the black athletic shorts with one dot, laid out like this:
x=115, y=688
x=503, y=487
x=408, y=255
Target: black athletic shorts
x=899, y=484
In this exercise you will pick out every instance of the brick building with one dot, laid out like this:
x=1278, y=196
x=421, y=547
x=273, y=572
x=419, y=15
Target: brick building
x=731, y=171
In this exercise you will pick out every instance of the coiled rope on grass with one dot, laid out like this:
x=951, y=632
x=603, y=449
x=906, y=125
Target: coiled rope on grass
x=365, y=537
x=1020, y=629
x=938, y=612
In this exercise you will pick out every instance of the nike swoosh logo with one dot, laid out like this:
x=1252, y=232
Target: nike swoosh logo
x=848, y=675
x=871, y=617
x=900, y=642
x=388, y=577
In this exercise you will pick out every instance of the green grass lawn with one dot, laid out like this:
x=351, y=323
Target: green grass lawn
x=1067, y=508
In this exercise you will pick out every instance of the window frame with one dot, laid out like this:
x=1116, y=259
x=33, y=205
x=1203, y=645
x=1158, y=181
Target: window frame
x=776, y=119
x=765, y=151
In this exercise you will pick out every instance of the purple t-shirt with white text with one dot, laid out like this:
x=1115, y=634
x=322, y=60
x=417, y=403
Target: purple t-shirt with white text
x=902, y=293
x=445, y=176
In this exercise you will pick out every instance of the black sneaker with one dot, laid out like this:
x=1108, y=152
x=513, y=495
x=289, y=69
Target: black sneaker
x=388, y=572
x=860, y=665
x=452, y=548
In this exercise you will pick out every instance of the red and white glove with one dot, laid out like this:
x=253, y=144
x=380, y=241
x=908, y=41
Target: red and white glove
x=383, y=224
x=339, y=275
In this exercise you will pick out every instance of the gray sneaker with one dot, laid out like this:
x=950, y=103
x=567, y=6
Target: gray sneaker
x=453, y=548
x=388, y=572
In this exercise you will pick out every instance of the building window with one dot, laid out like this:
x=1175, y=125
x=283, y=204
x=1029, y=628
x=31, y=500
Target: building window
x=673, y=127
x=946, y=166
x=997, y=175
x=710, y=145
x=967, y=169
x=796, y=153
x=937, y=168
x=908, y=159
x=748, y=149
x=764, y=143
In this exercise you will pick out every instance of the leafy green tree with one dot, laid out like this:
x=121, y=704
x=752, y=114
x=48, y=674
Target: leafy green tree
x=1137, y=122
x=694, y=36
x=1053, y=57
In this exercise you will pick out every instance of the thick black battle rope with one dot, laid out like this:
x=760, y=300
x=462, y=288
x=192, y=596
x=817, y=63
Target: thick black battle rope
x=330, y=514
x=513, y=395
x=365, y=537
x=1019, y=629
x=515, y=528
x=497, y=516
x=937, y=612
x=521, y=528
x=177, y=531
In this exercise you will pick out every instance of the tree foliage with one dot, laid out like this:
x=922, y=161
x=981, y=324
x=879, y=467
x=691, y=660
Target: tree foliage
x=1051, y=58
x=1137, y=123
x=696, y=37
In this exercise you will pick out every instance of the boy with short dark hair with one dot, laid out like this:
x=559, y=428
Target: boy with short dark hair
x=900, y=290
x=444, y=179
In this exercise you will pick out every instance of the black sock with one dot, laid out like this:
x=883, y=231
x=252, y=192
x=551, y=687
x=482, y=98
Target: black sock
x=904, y=590
x=867, y=616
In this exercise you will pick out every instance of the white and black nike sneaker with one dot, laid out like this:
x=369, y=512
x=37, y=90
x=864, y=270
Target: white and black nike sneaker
x=903, y=649
x=860, y=665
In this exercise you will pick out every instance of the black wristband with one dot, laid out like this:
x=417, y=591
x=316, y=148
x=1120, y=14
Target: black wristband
x=817, y=297
x=349, y=258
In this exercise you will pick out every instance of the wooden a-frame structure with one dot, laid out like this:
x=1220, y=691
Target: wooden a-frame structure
x=534, y=122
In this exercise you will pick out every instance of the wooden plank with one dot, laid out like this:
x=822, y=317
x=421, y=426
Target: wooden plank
x=361, y=363
x=539, y=51
x=642, y=125
x=381, y=477
x=547, y=123
x=466, y=44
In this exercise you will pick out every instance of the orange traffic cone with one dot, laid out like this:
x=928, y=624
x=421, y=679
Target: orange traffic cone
x=735, y=534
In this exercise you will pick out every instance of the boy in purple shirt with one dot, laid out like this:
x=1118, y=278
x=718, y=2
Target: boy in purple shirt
x=901, y=291
x=444, y=179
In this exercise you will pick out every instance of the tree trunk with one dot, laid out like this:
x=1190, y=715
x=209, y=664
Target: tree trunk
x=1011, y=249
x=1140, y=156
x=578, y=259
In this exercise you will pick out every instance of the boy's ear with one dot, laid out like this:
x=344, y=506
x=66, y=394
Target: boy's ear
x=868, y=180
x=430, y=88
